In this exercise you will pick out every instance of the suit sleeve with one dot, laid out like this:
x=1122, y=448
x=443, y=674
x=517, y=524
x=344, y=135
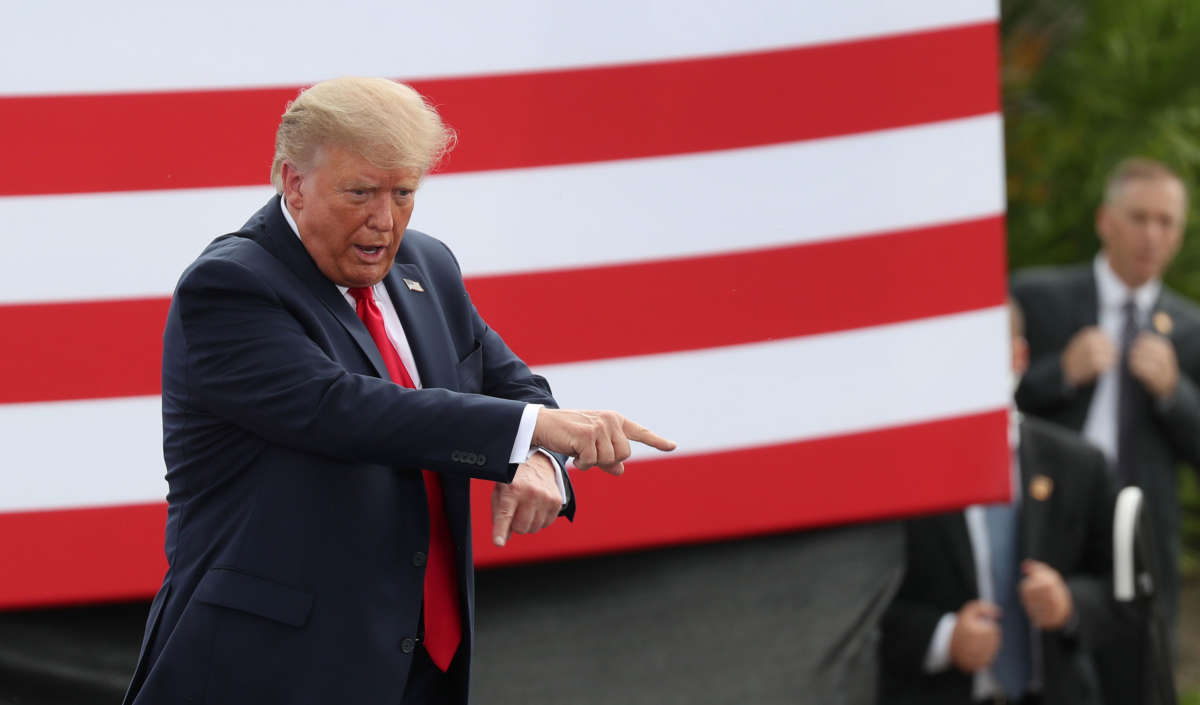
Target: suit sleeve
x=910, y=620
x=506, y=376
x=908, y=627
x=1043, y=387
x=1180, y=417
x=248, y=360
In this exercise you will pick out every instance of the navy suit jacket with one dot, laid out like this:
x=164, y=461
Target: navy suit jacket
x=297, y=522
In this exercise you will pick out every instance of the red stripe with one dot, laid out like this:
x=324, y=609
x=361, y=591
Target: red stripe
x=108, y=349
x=921, y=468
x=88, y=555
x=82, y=555
x=84, y=350
x=786, y=292
x=194, y=139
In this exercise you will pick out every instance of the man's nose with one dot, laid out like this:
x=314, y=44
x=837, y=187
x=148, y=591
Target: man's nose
x=380, y=217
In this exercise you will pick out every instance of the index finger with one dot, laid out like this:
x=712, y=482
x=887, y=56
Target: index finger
x=634, y=431
x=1029, y=565
x=504, y=508
x=988, y=610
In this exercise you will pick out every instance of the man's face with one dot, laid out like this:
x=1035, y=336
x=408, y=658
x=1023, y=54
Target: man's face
x=1142, y=228
x=351, y=214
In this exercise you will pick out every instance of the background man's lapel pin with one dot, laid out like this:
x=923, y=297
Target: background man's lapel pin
x=1041, y=487
x=414, y=285
x=1163, y=323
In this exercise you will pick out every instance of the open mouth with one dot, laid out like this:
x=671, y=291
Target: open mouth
x=369, y=251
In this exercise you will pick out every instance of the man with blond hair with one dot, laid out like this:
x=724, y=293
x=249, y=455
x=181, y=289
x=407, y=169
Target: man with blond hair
x=329, y=391
x=1116, y=356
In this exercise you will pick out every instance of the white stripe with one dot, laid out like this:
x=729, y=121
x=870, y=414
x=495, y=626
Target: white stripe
x=146, y=45
x=64, y=454
x=136, y=244
x=802, y=388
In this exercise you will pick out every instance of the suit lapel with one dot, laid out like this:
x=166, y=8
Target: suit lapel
x=1033, y=516
x=1168, y=307
x=426, y=330
x=281, y=242
x=959, y=546
x=424, y=326
x=1087, y=313
x=1089, y=299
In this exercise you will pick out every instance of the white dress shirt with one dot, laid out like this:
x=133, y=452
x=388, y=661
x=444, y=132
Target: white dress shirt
x=1111, y=295
x=522, y=445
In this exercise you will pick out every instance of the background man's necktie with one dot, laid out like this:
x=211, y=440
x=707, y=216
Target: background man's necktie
x=443, y=618
x=1013, y=665
x=1129, y=396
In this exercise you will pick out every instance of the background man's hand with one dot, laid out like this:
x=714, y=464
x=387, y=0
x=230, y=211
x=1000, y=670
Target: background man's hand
x=1152, y=361
x=1087, y=356
x=593, y=438
x=1045, y=596
x=529, y=504
x=976, y=637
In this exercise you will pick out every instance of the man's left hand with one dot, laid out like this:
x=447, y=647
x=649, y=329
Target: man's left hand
x=530, y=503
x=1045, y=596
x=1152, y=360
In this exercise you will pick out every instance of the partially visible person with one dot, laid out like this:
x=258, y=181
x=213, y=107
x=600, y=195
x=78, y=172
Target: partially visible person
x=1116, y=356
x=1000, y=602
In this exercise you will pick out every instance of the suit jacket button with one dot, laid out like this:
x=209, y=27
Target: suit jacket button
x=418, y=559
x=408, y=645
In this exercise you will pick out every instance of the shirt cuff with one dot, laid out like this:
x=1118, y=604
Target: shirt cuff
x=558, y=471
x=522, y=450
x=937, y=658
x=524, y=440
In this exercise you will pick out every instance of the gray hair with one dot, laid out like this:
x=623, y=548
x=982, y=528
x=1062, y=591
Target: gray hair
x=1138, y=169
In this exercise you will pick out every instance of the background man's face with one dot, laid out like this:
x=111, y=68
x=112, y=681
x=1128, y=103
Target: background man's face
x=1142, y=228
x=351, y=214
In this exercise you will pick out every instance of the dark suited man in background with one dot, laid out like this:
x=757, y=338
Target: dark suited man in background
x=328, y=393
x=1116, y=356
x=1000, y=602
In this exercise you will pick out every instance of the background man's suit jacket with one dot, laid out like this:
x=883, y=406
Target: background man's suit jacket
x=1057, y=303
x=1071, y=530
x=297, y=521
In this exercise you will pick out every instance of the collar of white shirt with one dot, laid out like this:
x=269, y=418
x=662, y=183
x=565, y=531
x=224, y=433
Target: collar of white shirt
x=1112, y=293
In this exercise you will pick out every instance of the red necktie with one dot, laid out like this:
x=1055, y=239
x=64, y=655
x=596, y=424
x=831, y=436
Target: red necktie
x=443, y=620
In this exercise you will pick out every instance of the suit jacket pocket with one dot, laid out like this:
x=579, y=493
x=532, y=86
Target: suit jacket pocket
x=470, y=371
x=226, y=587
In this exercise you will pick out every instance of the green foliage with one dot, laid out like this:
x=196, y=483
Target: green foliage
x=1087, y=83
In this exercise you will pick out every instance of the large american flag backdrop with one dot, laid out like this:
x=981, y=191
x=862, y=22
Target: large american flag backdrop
x=772, y=231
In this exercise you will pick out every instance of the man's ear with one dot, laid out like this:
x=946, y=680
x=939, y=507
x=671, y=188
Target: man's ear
x=1102, y=225
x=293, y=181
x=1020, y=356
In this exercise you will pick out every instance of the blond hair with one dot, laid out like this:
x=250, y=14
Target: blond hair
x=388, y=123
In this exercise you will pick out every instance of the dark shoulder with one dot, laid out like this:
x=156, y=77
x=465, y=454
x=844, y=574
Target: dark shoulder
x=1051, y=439
x=1182, y=308
x=1050, y=281
x=232, y=261
x=421, y=248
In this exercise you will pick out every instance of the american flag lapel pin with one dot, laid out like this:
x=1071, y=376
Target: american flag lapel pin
x=414, y=285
